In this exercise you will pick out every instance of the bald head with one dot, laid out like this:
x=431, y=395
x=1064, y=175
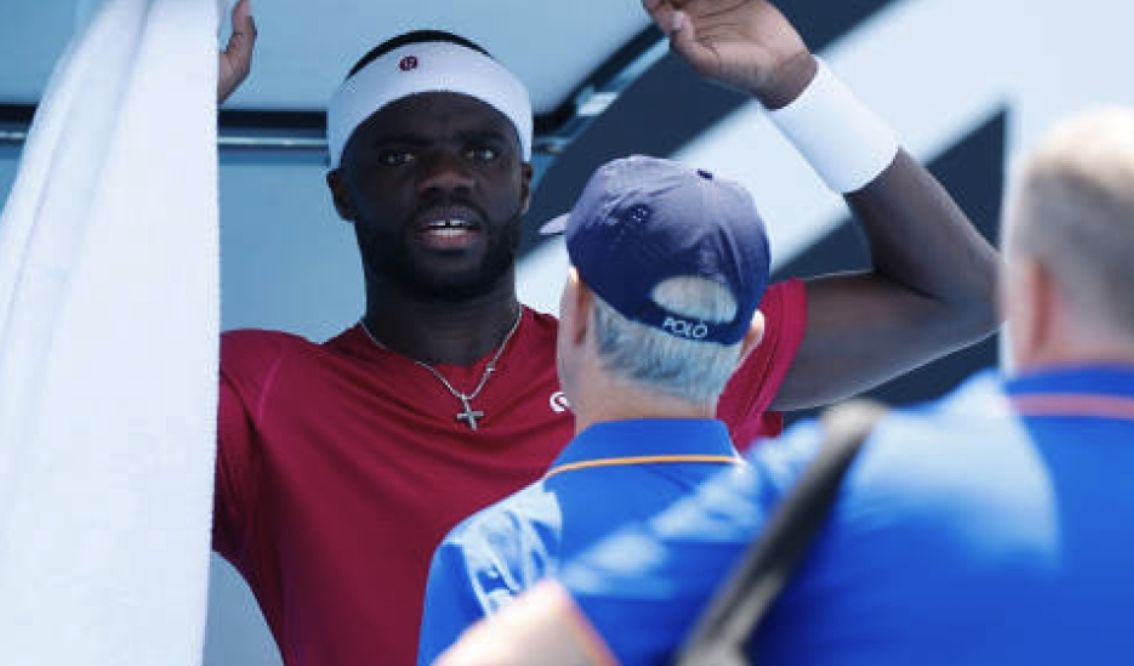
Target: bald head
x=1072, y=213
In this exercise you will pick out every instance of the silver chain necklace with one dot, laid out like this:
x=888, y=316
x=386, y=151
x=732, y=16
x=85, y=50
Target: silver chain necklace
x=469, y=415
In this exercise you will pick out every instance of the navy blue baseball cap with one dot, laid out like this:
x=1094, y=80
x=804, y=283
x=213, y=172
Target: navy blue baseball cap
x=642, y=220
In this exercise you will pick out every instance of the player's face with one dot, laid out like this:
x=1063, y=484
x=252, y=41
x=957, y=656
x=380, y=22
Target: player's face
x=436, y=186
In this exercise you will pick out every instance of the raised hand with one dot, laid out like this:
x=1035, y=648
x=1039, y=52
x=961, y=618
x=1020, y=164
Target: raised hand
x=744, y=44
x=236, y=58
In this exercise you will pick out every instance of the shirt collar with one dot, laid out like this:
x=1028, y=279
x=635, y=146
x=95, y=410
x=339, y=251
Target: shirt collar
x=1106, y=380
x=648, y=437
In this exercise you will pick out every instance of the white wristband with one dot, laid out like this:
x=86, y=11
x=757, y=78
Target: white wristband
x=846, y=144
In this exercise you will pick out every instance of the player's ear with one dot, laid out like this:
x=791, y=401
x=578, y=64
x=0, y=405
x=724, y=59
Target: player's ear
x=526, y=173
x=340, y=194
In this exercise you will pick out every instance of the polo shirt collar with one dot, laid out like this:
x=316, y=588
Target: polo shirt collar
x=648, y=437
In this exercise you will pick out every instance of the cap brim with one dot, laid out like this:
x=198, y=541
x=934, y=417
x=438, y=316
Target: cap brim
x=556, y=226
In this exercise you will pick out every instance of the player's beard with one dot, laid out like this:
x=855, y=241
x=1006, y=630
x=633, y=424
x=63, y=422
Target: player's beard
x=392, y=261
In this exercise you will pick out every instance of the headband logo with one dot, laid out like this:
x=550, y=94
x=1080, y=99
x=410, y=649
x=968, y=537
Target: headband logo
x=408, y=63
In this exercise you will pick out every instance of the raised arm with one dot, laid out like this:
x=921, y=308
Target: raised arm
x=932, y=284
x=931, y=292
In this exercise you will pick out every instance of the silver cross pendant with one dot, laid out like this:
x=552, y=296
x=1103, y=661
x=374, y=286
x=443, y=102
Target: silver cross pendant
x=469, y=415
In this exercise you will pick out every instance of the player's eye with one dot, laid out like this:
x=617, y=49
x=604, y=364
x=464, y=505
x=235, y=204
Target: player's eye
x=482, y=153
x=393, y=158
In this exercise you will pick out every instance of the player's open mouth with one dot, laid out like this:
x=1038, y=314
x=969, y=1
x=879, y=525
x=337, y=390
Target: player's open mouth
x=447, y=233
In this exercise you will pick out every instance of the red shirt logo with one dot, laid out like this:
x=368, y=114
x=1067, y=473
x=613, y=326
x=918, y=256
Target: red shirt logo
x=408, y=63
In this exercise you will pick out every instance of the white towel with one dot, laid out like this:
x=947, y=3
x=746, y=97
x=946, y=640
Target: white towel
x=108, y=348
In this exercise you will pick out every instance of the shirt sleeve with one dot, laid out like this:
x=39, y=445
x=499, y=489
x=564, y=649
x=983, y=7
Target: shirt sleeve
x=451, y=605
x=248, y=362
x=748, y=395
x=482, y=565
x=643, y=589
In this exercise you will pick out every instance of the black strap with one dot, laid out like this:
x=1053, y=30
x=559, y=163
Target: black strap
x=721, y=635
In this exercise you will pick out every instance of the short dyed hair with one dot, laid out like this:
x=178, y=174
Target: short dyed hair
x=1073, y=209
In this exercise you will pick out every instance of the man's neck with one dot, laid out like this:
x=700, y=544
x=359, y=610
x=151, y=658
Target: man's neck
x=431, y=331
x=616, y=402
x=1056, y=362
x=1088, y=343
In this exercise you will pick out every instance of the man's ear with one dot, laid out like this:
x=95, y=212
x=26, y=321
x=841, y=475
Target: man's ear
x=526, y=172
x=754, y=335
x=1031, y=302
x=579, y=299
x=340, y=194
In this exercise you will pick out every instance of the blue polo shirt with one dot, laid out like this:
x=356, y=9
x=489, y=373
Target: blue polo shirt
x=995, y=527
x=608, y=475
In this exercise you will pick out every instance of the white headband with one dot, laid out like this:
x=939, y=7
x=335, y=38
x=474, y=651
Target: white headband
x=421, y=68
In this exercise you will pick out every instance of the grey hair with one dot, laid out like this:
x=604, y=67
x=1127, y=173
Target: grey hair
x=655, y=360
x=1073, y=207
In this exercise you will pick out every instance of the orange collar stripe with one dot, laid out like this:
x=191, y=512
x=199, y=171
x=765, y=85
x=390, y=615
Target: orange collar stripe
x=643, y=460
x=1070, y=404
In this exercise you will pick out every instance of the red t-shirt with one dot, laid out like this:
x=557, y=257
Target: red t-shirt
x=341, y=466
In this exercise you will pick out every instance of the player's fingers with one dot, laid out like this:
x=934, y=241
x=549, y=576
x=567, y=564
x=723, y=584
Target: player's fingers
x=683, y=40
x=243, y=26
x=242, y=41
x=242, y=13
x=661, y=11
x=235, y=63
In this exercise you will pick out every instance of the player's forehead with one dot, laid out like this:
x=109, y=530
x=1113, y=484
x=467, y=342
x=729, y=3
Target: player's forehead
x=432, y=114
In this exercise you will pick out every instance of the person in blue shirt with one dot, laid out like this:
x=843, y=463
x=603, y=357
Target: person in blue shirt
x=993, y=527
x=669, y=265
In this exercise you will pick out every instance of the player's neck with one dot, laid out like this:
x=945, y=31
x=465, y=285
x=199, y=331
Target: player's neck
x=431, y=331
